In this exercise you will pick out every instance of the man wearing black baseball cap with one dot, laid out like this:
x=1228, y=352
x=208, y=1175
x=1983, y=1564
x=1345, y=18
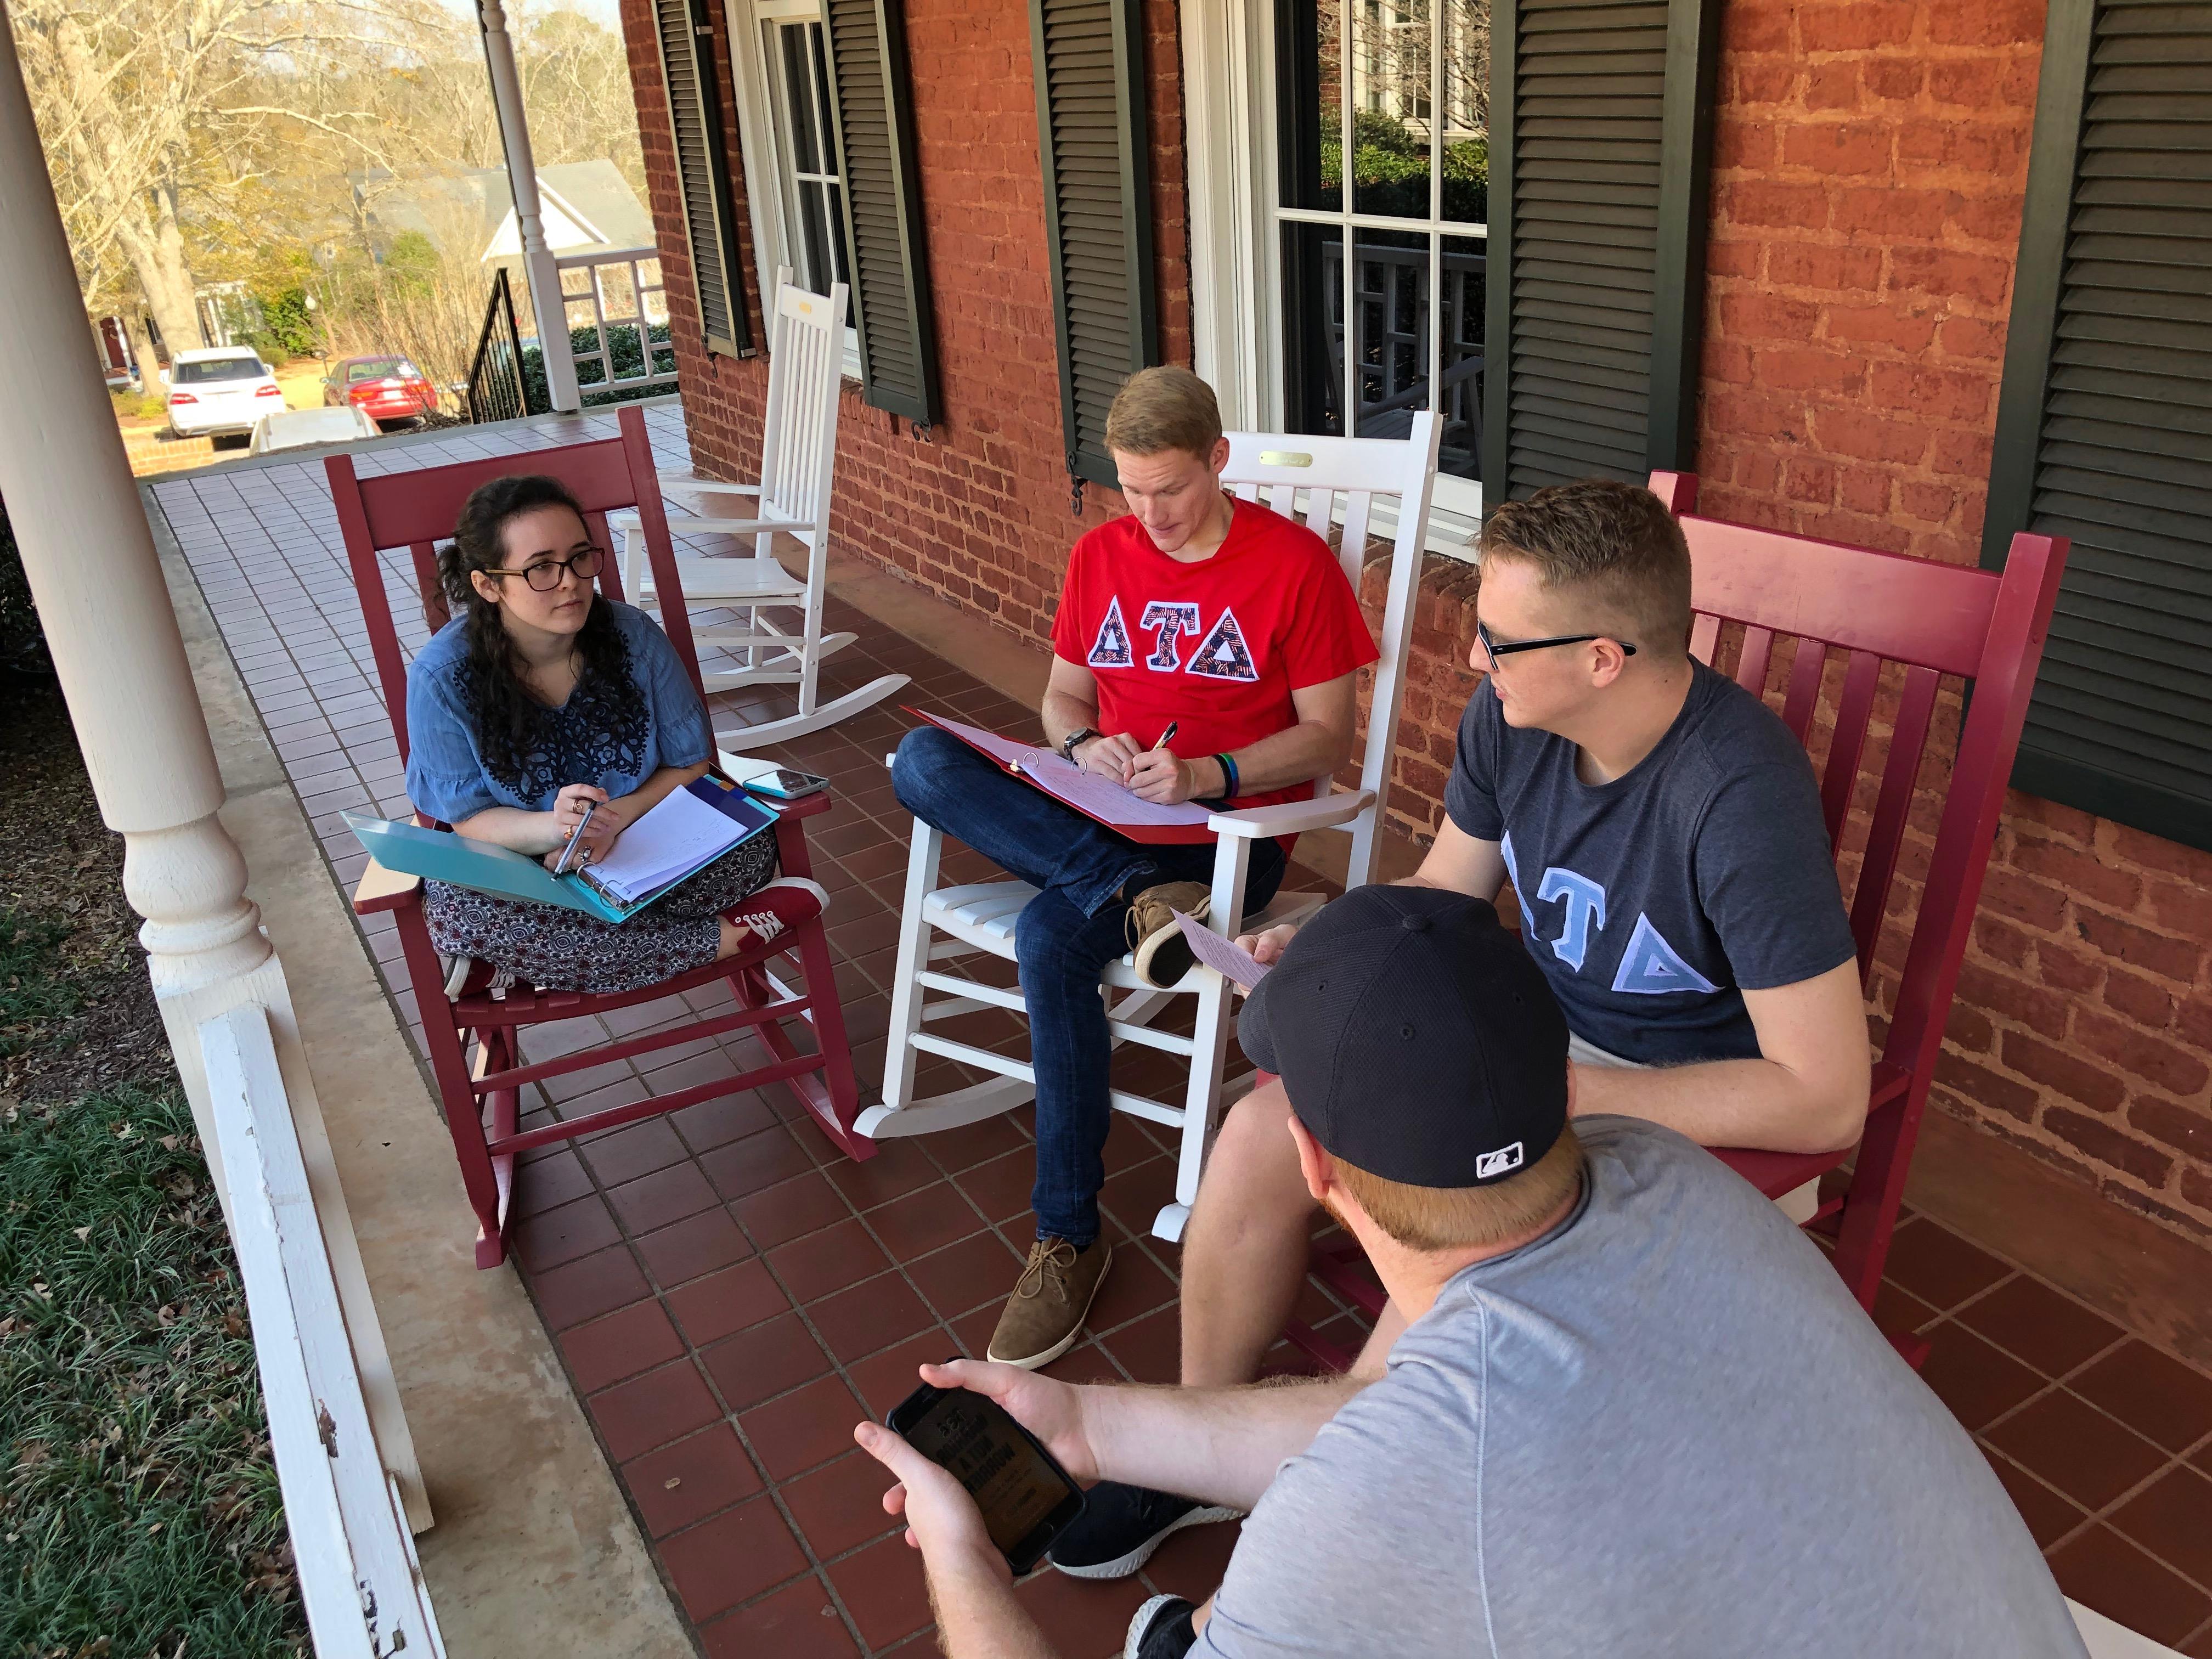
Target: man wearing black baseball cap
x=1634, y=1411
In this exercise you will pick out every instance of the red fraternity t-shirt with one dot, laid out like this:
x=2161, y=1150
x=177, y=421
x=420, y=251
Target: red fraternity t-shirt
x=1216, y=647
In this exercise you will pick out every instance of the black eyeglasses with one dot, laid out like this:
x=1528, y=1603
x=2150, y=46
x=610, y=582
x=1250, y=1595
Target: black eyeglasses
x=545, y=575
x=1491, y=650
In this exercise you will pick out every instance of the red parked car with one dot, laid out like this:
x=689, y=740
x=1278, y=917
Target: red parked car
x=388, y=390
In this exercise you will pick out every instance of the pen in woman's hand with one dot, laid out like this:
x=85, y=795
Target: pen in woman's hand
x=574, y=836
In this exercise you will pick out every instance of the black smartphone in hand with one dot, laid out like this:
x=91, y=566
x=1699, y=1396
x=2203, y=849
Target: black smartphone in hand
x=1027, y=1499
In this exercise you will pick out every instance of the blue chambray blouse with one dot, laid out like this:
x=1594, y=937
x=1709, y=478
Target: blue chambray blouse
x=600, y=736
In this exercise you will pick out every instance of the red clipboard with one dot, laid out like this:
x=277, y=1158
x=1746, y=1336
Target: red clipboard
x=1006, y=755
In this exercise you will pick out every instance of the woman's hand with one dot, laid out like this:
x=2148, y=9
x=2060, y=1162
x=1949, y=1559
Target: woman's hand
x=1268, y=948
x=567, y=813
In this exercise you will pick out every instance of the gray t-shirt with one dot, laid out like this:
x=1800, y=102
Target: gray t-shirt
x=1653, y=901
x=1663, y=1429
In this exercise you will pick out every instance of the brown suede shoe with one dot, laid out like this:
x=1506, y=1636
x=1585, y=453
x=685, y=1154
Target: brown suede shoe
x=1163, y=954
x=1045, y=1316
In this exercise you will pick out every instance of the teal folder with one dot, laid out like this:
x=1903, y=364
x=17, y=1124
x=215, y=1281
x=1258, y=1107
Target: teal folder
x=441, y=855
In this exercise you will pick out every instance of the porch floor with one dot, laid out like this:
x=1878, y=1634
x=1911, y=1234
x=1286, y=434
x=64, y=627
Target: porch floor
x=730, y=1295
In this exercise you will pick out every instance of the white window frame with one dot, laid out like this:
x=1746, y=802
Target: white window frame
x=767, y=168
x=1235, y=253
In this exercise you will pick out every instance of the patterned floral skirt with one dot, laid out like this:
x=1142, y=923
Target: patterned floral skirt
x=558, y=950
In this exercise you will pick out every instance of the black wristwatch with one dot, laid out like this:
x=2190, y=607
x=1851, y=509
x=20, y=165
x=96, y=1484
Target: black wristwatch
x=1082, y=734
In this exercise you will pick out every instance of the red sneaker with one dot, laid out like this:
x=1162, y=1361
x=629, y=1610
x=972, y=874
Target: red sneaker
x=773, y=910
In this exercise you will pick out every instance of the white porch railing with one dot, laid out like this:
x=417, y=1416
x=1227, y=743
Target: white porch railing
x=623, y=292
x=359, y=1578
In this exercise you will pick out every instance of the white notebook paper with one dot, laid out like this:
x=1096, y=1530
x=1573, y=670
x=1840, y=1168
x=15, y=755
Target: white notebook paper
x=1087, y=792
x=677, y=836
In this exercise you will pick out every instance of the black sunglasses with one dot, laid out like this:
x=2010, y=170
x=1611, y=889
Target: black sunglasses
x=1493, y=650
x=545, y=575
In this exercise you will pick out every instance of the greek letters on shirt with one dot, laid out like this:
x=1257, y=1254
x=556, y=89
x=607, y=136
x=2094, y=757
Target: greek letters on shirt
x=1648, y=967
x=1222, y=653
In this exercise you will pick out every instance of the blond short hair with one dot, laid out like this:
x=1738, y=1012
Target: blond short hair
x=1615, y=545
x=1163, y=408
x=1434, y=1218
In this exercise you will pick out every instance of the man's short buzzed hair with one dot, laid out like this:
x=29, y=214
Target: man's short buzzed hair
x=1613, y=543
x=1433, y=1218
x=1163, y=408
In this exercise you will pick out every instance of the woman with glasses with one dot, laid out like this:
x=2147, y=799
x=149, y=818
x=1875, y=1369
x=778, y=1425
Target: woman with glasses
x=540, y=699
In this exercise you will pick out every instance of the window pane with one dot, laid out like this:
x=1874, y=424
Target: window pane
x=1390, y=87
x=798, y=81
x=816, y=231
x=1460, y=321
x=1390, y=322
x=1313, y=329
x=1466, y=48
x=1309, y=101
x=825, y=111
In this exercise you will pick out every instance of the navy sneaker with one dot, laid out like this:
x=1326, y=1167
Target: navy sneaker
x=1122, y=1526
x=1161, y=1629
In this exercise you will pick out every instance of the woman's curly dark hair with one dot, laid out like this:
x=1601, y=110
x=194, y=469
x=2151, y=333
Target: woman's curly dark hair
x=507, y=717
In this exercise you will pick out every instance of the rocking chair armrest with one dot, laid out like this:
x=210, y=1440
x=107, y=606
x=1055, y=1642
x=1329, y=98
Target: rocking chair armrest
x=1293, y=817
x=379, y=889
x=682, y=523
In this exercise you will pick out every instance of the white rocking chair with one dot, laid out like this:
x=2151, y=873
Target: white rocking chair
x=1338, y=478
x=798, y=452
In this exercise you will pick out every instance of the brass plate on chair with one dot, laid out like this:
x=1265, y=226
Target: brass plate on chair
x=1284, y=458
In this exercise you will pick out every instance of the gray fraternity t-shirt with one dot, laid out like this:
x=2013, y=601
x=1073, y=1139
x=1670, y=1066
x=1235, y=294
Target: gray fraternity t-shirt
x=1653, y=901
x=1662, y=1430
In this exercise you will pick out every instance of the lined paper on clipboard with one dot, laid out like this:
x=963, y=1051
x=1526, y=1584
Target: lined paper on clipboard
x=1094, y=796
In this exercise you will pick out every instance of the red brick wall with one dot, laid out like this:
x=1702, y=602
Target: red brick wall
x=1869, y=160
x=977, y=510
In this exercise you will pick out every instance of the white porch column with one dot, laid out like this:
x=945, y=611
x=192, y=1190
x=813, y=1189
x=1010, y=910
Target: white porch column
x=89, y=555
x=537, y=266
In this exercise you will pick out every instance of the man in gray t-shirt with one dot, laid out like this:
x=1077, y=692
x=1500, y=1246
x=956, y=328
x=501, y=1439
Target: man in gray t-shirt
x=1635, y=1413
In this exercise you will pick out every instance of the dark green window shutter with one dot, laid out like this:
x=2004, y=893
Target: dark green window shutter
x=2104, y=422
x=1600, y=117
x=702, y=171
x=1090, y=58
x=882, y=208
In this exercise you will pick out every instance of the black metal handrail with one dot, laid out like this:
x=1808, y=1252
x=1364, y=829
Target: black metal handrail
x=497, y=388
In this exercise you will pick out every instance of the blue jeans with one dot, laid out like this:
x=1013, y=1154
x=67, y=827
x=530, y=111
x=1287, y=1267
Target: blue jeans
x=1067, y=935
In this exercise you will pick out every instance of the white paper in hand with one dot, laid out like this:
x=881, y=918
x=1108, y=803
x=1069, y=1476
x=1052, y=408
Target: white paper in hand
x=1226, y=957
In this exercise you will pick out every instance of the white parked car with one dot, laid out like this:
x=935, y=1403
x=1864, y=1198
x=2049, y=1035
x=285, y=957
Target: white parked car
x=298, y=428
x=224, y=389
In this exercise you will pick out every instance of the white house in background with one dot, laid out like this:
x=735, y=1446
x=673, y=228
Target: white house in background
x=588, y=208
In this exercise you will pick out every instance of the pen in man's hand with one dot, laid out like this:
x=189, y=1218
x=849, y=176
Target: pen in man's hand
x=561, y=867
x=1173, y=726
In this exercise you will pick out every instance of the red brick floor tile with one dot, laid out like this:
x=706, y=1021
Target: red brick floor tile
x=756, y=1161
x=1134, y=1286
x=764, y=1360
x=634, y=1150
x=1136, y=1195
x=588, y=1287
x=564, y=1234
x=884, y=1379
x=840, y=1506
x=923, y=1221
x=1081, y=1619
x=1001, y=1188
x=802, y=1429
x=2049, y=1517
x=2198, y=1646
x=662, y=1198
x=1937, y=1266
x=707, y=1309
x=652, y=1410
x=799, y=1621
x=980, y=1268
x=898, y=1167
x=2032, y=1322
x=1191, y=1563
x=1976, y=1381
x=2075, y=1447
x=955, y=1150
x=1899, y=1312
x=731, y=1559
x=1128, y=1144
x=790, y=1209
x=971, y=1333
x=2172, y=1518
x=550, y=1182
x=884, y=1589
x=1086, y=1362
x=2101, y=1570
x=870, y=1315
x=622, y=1345
x=1151, y=1349
x=698, y=1244
x=691, y=1480
x=687, y=1073
x=827, y=1260
x=2151, y=1393
x=714, y=1123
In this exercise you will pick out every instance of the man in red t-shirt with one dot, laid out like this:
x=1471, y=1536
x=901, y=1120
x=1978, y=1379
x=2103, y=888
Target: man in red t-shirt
x=1220, y=619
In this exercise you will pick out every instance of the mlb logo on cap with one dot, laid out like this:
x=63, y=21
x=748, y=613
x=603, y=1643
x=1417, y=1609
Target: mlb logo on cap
x=1497, y=1162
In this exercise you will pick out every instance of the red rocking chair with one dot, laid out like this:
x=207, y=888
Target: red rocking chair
x=1865, y=609
x=414, y=510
